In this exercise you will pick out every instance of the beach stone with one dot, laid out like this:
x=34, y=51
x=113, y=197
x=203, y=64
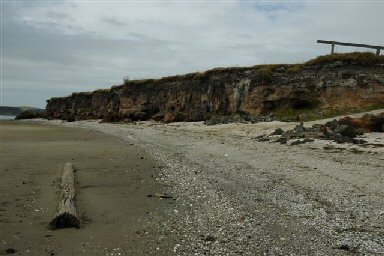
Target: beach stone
x=10, y=251
x=282, y=140
x=29, y=114
x=210, y=238
x=340, y=128
x=139, y=116
x=278, y=131
x=262, y=138
x=300, y=128
x=298, y=142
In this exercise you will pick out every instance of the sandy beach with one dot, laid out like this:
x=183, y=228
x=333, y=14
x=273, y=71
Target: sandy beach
x=191, y=128
x=113, y=179
x=231, y=194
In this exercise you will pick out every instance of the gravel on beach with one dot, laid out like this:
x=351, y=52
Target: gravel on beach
x=234, y=195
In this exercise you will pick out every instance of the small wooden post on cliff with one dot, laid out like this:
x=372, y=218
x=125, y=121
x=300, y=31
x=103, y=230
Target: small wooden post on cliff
x=333, y=43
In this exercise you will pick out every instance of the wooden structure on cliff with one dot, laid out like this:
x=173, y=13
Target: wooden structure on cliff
x=333, y=43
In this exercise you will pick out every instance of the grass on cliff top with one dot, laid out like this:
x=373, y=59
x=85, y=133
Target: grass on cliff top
x=312, y=114
x=352, y=58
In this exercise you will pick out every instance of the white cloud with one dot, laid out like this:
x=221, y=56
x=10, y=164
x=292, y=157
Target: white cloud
x=152, y=39
x=211, y=24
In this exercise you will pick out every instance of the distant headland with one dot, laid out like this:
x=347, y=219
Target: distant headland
x=14, y=111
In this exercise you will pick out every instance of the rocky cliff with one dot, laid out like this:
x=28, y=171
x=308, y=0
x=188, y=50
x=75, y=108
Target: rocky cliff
x=340, y=81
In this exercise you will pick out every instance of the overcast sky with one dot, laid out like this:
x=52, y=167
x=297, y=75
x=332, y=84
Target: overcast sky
x=53, y=48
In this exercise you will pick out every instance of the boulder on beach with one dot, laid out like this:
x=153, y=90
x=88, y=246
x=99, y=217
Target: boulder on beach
x=30, y=114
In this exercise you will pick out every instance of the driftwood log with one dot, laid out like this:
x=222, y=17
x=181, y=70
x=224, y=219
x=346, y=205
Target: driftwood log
x=66, y=215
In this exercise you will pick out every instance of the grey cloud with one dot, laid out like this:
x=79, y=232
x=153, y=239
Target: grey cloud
x=53, y=49
x=57, y=15
x=115, y=22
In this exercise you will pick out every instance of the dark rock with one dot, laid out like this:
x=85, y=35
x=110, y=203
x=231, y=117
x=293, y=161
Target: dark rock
x=358, y=141
x=160, y=195
x=158, y=116
x=340, y=128
x=219, y=120
x=10, y=251
x=344, y=130
x=337, y=137
x=30, y=114
x=299, y=128
x=112, y=117
x=278, y=131
x=139, y=116
x=180, y=116
x=317, y=127
x=262, y=138
x=346, y=247
x=70, y=119
x=356, y=151
x=197, y=116
x=298, y=142
x=349, y=131
x=330, y=147
x=267, y=118
x=332, y=124
x=368, y=123
x=210, y=238
x=282, y=140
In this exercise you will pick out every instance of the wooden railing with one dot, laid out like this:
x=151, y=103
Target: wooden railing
x=333, y=43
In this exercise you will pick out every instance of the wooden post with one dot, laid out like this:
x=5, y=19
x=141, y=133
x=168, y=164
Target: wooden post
x=333, y=43
x=66, y=215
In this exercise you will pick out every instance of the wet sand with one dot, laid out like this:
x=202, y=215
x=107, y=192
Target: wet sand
x=113, y=179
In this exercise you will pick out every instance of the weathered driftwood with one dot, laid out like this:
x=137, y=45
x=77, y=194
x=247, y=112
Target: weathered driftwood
x=66, y=215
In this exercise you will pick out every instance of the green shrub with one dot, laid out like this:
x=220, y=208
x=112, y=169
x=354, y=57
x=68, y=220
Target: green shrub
x=268, y=70
x=357, y=58
x=294, y=68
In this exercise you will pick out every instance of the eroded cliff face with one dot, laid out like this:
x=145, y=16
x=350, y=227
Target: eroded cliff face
x=257, y=90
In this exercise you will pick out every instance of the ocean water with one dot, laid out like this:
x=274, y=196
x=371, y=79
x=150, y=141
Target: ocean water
x=7, y=117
